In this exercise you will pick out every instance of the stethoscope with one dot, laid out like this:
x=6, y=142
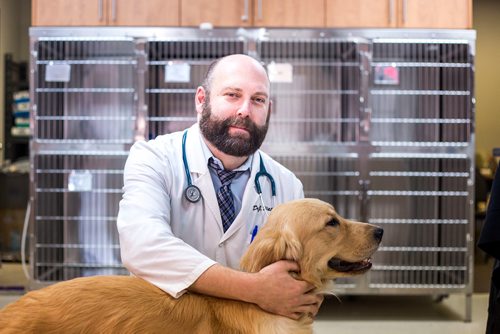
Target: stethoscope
x=193, y=193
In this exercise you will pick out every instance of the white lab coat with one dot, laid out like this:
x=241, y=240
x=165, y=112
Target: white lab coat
x=170, y=241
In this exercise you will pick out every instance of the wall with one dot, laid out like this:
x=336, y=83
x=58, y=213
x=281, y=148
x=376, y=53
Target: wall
x=15, y=19
x=487, y=24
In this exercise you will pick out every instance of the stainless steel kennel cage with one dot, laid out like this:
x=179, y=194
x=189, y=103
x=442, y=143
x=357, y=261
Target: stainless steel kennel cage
x=379, y=123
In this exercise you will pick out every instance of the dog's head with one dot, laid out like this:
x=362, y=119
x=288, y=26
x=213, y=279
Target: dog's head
x=311, y=233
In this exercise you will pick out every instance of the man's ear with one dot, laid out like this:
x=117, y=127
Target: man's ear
x=199, y=99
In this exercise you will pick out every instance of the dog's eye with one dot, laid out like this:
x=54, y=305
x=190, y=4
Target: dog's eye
x=333, y=222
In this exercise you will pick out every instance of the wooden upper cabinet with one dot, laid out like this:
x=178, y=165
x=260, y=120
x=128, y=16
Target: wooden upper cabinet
x=105, y=13
x=220, y=13
x=361, y=13
x=289, y=13
x=68, y=13
x=251, y=13
x=399, y=13
x=143, y=13
x=453, y=14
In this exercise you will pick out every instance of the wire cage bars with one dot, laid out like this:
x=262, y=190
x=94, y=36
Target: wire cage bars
x=380, y=123
x=84, y=112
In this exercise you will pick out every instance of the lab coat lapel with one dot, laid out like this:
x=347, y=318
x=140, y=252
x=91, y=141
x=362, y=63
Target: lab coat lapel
x=200, y=174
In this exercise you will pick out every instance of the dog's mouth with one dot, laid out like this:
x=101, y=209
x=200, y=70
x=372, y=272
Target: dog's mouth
x=345, y=266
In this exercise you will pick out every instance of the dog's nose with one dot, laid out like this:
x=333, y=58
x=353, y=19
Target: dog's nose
x=379, y=232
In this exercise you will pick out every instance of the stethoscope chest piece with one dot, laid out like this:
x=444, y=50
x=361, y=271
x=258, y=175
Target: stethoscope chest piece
x=192, y=193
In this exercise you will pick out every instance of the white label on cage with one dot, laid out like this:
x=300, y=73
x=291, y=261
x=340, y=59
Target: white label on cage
x=57, y=72
x=80, y=180
x=280, y=72
x=386, y=75
x=177, y=71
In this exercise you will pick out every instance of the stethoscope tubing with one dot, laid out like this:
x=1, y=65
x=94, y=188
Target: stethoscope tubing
x=193, y=194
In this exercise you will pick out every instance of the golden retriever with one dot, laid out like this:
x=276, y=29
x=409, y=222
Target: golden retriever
x=308, y=231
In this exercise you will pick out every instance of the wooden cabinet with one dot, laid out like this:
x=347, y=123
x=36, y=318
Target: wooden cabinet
x=105, y=13
x=361, y=13
x=256, y=13
x=261, y=13
x=289, y=13
x=455, y=14
x=68, y=13
x=221, y=13
x=144, y=13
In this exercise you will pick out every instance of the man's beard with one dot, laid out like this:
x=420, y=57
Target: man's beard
x=216, y=131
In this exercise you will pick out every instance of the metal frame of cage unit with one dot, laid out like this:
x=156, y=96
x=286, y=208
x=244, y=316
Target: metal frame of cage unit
x=380, y=123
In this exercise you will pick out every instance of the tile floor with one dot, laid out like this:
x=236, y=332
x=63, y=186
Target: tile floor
x=402, y=315
x=355, y=314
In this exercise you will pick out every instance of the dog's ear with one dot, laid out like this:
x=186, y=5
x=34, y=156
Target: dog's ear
x=269, y=246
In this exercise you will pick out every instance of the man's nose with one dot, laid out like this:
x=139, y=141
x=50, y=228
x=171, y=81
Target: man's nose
x=244, y=109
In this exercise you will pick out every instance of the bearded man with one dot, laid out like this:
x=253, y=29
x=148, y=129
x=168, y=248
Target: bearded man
x=191, y=203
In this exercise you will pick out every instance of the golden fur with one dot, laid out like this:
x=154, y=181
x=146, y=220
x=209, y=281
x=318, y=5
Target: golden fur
x=307, y=231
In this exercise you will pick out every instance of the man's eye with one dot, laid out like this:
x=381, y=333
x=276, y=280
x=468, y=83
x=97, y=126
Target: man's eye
x=260, y=100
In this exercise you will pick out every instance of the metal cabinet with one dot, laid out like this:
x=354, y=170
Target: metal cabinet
x=421, y=174
x=84, y=111
x=380, y=123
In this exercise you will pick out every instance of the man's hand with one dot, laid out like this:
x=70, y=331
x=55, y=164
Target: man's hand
x=272, y=288
x=282, y=294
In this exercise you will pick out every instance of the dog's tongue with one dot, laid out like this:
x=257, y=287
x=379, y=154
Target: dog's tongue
x=344, y=266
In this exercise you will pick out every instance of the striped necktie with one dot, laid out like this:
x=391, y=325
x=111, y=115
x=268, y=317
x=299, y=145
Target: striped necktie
x=224, y=194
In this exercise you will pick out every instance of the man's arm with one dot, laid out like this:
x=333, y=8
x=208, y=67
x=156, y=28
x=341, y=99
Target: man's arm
x=149, y=248
x=273, y=288
x=145, y=233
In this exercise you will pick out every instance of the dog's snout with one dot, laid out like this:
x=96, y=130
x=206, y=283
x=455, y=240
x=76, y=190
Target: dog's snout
x=378, y=233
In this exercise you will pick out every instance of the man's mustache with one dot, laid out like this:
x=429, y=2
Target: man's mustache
x=244, y=123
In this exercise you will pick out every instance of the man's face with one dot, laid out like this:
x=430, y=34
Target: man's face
x=234, y=114
x=217, y=131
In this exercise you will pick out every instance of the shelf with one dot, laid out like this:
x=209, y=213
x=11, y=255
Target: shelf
x=67, y=171
x=15, y=80
x=419, y=144
x=20, y=139
x=422, y=64
x=418, y=174
x=418, y=221
x=419, y=92
x=65, y=190
x=88, y=62
x=421, y=120
x=75, y=218
x=85, y=118
x=422, y=249
x=85, y=90
x=400, y=193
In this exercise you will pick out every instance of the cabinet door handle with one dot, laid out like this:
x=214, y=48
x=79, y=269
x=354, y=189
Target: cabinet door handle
x=404, y=12
x=100, y=10
x=259, y=10
x=244, y=17
x=391, y=12
x=113, y=10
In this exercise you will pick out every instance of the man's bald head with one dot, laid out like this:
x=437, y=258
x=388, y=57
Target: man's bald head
x=235, y=59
